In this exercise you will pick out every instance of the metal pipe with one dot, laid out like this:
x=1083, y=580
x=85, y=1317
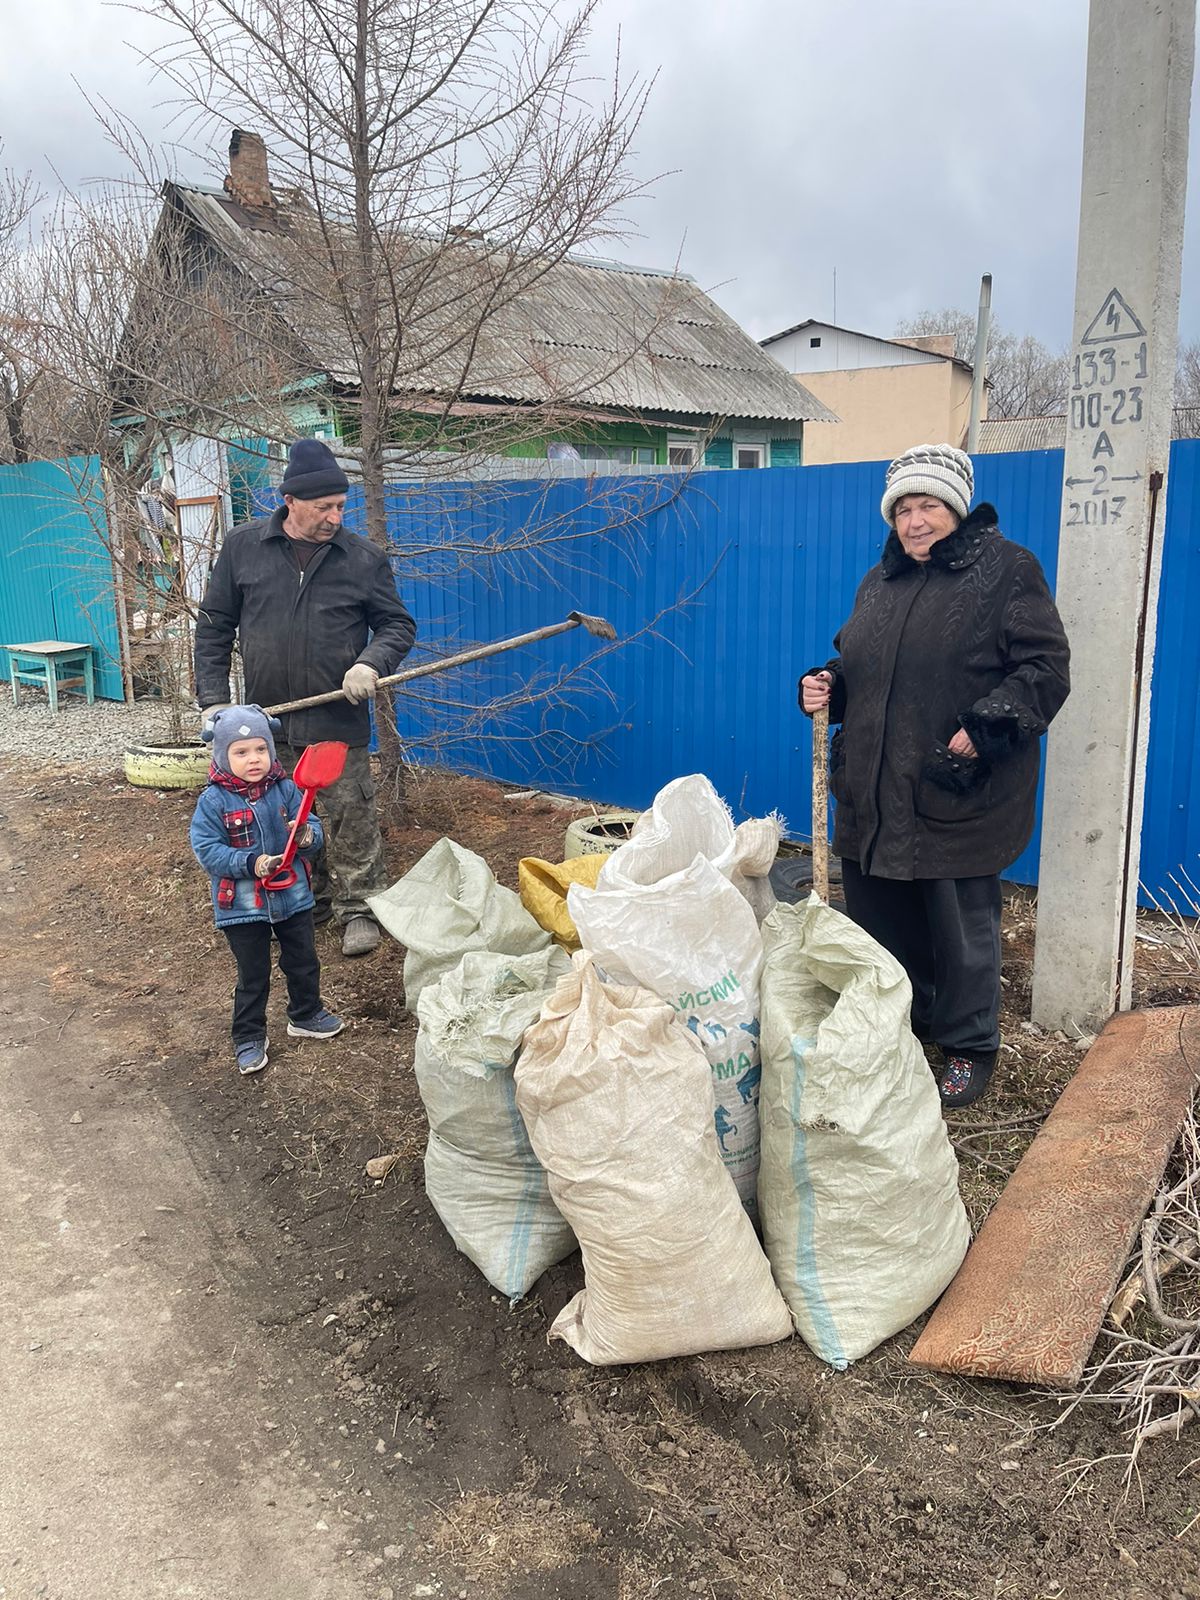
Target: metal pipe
x=980, y=375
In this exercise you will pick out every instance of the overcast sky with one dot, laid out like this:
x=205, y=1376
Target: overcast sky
x=906, y=147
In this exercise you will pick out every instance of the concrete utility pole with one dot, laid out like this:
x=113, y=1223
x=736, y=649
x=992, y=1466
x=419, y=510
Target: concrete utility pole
x=1139, y=77
x=979, y=375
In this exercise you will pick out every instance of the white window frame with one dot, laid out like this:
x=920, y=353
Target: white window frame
x=683, y=444
x=749, y=444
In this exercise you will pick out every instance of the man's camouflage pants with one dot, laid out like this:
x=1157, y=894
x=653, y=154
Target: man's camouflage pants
x=351, y=865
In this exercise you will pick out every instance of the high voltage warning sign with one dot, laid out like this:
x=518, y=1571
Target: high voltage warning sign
x=1114, y=320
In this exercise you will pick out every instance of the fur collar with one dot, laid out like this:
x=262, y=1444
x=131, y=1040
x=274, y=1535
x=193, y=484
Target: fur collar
x=960, y=549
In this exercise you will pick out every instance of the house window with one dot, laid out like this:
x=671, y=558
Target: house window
x=681, y=455
x=749, y=455
x=623, y=454
x=815, y=343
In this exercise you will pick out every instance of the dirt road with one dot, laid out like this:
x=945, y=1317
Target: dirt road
x=153, y=1442
x=152, y=1446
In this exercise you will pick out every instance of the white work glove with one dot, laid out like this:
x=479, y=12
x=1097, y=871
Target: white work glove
x=359, y=683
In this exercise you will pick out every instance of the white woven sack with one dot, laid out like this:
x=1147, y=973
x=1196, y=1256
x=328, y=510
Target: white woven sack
x=688, y=818
x=447, y=904
x=481, y=1174
x=617, y=1098
x=665, y=916
x=858, y=1186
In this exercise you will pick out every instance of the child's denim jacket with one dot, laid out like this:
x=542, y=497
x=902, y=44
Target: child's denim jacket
x=229, y=832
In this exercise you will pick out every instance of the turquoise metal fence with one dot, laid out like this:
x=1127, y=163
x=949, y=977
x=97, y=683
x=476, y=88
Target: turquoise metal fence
x=727, y=589
x=56, y=576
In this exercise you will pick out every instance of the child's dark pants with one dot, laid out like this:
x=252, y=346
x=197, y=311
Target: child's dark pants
x=251, y=946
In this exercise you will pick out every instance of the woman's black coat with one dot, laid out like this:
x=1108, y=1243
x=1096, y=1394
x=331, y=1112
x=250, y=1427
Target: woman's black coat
x=970, y=638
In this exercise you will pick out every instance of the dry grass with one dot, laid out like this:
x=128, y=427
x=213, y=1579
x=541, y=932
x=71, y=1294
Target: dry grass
x=1146, y=1366
x=487, y=1534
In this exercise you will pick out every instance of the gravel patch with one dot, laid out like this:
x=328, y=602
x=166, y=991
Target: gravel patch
x=93, y=738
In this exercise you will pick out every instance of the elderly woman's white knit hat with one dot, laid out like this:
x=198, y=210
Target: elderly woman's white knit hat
x=936, y=469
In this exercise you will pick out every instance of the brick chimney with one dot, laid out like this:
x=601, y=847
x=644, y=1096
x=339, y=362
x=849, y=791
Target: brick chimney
x=248, y=181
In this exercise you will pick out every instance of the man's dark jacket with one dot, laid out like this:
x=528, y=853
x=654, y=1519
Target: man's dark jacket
x=299, y=632
x=970, y=638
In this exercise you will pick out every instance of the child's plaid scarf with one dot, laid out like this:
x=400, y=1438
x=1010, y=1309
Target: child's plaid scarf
x=252, y=791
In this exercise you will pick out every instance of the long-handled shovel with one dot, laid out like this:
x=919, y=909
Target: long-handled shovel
x=576, y=619
x=319, y=766
x=820, y=802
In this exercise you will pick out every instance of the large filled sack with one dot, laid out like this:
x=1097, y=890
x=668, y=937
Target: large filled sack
x=858, y=1184
x=617, y=1097
x=481, y=1174
x=447, y=904
x=688, y=818
x=543, y=887
x=670, y=916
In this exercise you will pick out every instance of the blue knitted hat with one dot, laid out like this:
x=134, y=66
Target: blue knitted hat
x=239, y=722
x=313, y=472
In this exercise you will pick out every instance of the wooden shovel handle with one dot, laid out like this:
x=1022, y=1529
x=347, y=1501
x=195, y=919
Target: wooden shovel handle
x=577, y=619
x=820, y=802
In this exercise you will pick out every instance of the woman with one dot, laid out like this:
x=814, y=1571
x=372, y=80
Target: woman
x=951, y=665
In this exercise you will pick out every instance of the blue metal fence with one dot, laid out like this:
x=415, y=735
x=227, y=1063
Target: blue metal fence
x=742, y=579
x=56, y=576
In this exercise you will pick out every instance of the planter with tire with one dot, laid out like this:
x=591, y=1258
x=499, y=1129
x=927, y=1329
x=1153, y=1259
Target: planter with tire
x=598, y=835
x=168, y=766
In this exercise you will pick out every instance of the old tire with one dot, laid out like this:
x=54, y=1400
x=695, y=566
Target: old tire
x=590, y=836
x=168, y=766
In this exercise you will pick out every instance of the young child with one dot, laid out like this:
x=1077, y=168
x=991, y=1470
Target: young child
x=238, y=833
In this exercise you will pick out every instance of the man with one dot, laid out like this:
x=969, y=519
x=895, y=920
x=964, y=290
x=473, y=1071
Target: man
x=314, y=609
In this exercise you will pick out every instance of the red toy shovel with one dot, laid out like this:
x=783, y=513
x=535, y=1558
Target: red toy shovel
x=319, y=766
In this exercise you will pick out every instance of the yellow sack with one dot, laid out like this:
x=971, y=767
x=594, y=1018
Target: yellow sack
x=544, y=885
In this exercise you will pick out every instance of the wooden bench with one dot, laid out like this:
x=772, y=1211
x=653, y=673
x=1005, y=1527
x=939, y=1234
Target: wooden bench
x=53, y=666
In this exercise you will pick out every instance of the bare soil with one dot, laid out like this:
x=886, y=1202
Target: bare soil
x=510, y=1466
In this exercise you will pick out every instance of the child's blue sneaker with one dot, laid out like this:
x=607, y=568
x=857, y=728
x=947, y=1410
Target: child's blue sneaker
x=321, y=1025
x=251, y=1056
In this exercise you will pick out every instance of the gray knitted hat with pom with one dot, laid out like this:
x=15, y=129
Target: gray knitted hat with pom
x=239, y=722
x=936, y=469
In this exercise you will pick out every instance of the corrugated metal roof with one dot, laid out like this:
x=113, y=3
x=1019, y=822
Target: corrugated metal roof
x=1006, y=434
x=582, y=331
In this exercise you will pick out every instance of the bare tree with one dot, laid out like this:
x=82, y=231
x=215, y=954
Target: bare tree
x=430, y=164
x=106, y=347
x=1026, y=378
x=20, y=374
x=1187, y=375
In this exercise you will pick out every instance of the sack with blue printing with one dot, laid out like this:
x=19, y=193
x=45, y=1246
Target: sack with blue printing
x=858, y=1184
x=676, y=911
x=481, y=1174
